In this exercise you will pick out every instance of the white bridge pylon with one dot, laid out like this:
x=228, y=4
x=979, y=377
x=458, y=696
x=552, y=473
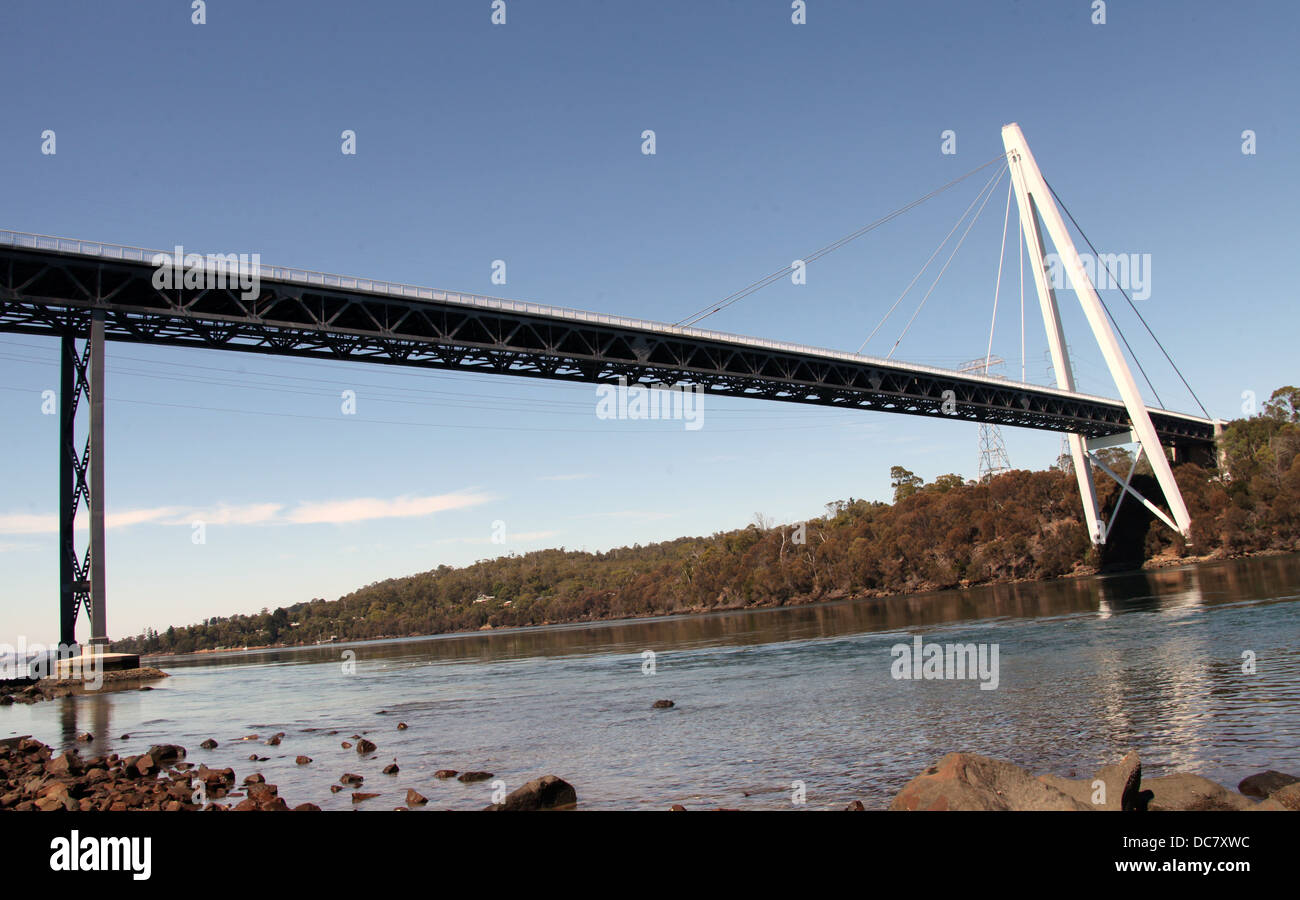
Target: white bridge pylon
x=1038, y=210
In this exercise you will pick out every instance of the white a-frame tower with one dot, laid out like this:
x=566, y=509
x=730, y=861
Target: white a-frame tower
x=1038, y=211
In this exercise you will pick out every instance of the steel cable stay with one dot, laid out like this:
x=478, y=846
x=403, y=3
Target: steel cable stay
x=987, y=194
x=1111, y=278
x=997, y=288
x=773, y=277
x=926, y=265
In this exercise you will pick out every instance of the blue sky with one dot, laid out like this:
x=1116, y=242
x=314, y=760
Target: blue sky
x=522, y=142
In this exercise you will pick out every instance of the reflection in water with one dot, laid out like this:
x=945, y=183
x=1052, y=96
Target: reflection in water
x=79, y=714
x=1089, y=669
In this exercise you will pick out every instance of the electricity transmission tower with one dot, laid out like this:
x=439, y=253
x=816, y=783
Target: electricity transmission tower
x=993, y=451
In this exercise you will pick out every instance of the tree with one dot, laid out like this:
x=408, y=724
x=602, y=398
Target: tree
x=945, y=483
x=904, y=483
x=1284, y=404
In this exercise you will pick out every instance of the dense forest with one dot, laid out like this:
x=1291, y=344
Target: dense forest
x=948, y=533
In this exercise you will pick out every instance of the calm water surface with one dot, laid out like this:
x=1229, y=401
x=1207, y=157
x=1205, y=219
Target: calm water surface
x=1088, y=669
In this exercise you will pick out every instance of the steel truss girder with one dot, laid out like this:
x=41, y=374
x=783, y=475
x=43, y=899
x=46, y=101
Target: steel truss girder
x=52, y=293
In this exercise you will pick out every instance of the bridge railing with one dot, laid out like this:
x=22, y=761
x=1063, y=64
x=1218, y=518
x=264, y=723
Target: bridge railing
x=290, y=274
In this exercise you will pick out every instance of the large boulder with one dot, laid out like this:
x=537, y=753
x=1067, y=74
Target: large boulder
x=1122, y=783
x=1182, y=791
x=1288, y=797
x=547, y=792
x=1263, y=784
x=966, y=781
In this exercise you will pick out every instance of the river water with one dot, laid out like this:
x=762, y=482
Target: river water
x=772, y=706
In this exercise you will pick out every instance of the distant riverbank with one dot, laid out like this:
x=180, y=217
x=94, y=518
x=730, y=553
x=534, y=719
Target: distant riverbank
x=1161, y=562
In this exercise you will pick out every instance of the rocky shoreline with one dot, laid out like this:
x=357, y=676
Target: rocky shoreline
x=33, y=777
x=966, y=781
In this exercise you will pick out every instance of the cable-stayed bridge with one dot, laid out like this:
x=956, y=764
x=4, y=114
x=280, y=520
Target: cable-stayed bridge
x=87, y=293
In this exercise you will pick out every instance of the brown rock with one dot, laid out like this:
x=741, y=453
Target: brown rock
x=209, y=744
x=85, y=737
x=66, y=763
x=273, y=741
x=215, y=777
x=1262, y=784
x=1192, y=792
x=547, y=792
x=248, y=804
x=347, y=745
x=1122, y=783
x=663, y=704
x=365, y=747
x=255, y=778
x=334, y=788
x=1288, y=797
x=391, y=769
x=855, y=806
x=349, y=778
x=166, y=754
x=306, y=807
x=445, y=773
x=967, y=781
x=146, y=765
x=357, y=796
x=55, y=789
x=303, y=760
x=415, y=798
x=677, y=807
x=1269, y=805
x=401, y=726
x=262, y=793
x=468, y=777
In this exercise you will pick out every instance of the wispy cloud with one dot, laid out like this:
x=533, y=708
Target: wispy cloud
x=320, y=512
x=27, y=523
x=340, y=512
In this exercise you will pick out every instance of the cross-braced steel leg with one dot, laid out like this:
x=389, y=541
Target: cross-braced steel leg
x=81, y=481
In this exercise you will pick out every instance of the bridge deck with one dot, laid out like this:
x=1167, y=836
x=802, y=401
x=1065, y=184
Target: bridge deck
x=53, y=286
